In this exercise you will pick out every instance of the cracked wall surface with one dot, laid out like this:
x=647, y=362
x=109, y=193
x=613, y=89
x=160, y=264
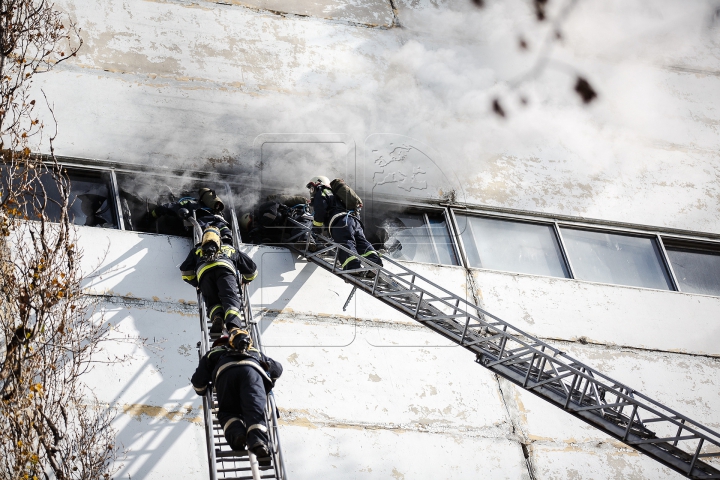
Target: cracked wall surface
x=366, y=393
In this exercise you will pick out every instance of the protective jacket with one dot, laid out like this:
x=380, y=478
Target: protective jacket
x=220, y=360
x=203, y=214
x=326, y=207
x=195, y=265
x=345, y=228
x=242, y=382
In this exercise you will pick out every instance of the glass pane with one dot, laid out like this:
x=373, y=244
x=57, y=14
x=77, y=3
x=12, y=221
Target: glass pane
x=409, y=237
x=696, y=271
x=441, y=237
x=619, y=259
x=511, y=246
x=91, y=200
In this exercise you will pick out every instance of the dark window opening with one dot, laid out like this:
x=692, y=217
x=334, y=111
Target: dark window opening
x=140, y=194
x=90, y=201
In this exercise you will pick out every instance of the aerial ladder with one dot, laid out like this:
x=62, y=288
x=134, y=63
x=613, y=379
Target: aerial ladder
x=225, y=463
x=612, y=407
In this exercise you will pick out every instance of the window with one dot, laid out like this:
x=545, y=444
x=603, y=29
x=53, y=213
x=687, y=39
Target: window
x=511, y=246
x=140, y=194
x=615, y=258
x=418, y=237
x=696, y=266
x=91, y=199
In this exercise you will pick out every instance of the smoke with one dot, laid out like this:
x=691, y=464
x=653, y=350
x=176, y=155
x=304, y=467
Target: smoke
x=431, y=83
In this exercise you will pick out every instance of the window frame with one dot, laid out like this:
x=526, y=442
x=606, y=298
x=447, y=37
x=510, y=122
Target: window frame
x=689, y=240
x=77, y=164
x=663, y=237
x=423, y=210
x=512, y=218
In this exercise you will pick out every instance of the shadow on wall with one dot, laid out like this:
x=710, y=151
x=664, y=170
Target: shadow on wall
x=136, y=265
x=158, y=415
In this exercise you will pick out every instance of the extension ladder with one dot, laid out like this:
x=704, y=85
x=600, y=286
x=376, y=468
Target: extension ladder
x=624, y=413
x=225, y=463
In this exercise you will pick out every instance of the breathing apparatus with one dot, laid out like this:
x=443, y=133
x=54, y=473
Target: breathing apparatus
x=240, y=340
x=209, y=198
x=211, y=242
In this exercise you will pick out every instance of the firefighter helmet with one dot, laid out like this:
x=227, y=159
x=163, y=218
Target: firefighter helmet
x=245, y=221
x=317, y=180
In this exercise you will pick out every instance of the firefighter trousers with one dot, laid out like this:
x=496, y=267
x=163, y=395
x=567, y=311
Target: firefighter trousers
x=347, y=231
x=222, y=297
x=241, y=406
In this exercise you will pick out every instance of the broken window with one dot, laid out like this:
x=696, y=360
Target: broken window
x=140, y=194
x=696, y=266
x=511, y=246
x=91, y=201
x=615, y=258
x=414, y=236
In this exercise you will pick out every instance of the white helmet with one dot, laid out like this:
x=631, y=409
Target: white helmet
x=245, y=221
x=317, y=180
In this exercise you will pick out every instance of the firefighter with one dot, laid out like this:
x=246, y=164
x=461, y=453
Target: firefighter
x=344, y=226
x=242, y=377
x=213, y=266
x=207, y=208
x=268, y=224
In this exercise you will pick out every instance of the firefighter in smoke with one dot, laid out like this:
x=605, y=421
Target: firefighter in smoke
x=270, y=224
x=343, y=223
x=242, y=377
x=207, y=207
x=213, y=266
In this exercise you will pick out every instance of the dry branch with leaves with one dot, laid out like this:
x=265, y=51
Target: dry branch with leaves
x=50, y=424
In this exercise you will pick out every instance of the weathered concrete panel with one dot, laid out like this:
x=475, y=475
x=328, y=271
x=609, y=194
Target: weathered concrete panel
x=341, y=452
x=615, y=315
x=596, y=461
x=366, y=12
x=417, y=388
x=130, y=264
x=156, y=356
x=685, y=383
x=160, y=445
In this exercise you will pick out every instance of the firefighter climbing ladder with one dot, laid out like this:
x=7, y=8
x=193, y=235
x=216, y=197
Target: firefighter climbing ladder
x=622, y=412
x=225, y=463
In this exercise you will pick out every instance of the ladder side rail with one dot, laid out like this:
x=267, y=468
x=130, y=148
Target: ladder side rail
x=209, y=430
x=657, y=451
x=514, y=332
x=277, y=453
x=624, y=395
x=204, y=348
x=273, y=419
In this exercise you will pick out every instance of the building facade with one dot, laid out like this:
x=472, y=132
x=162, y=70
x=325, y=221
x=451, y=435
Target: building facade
x=594, y=227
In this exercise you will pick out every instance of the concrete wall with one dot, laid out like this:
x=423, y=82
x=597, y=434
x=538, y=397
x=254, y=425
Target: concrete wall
x=367, y=393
